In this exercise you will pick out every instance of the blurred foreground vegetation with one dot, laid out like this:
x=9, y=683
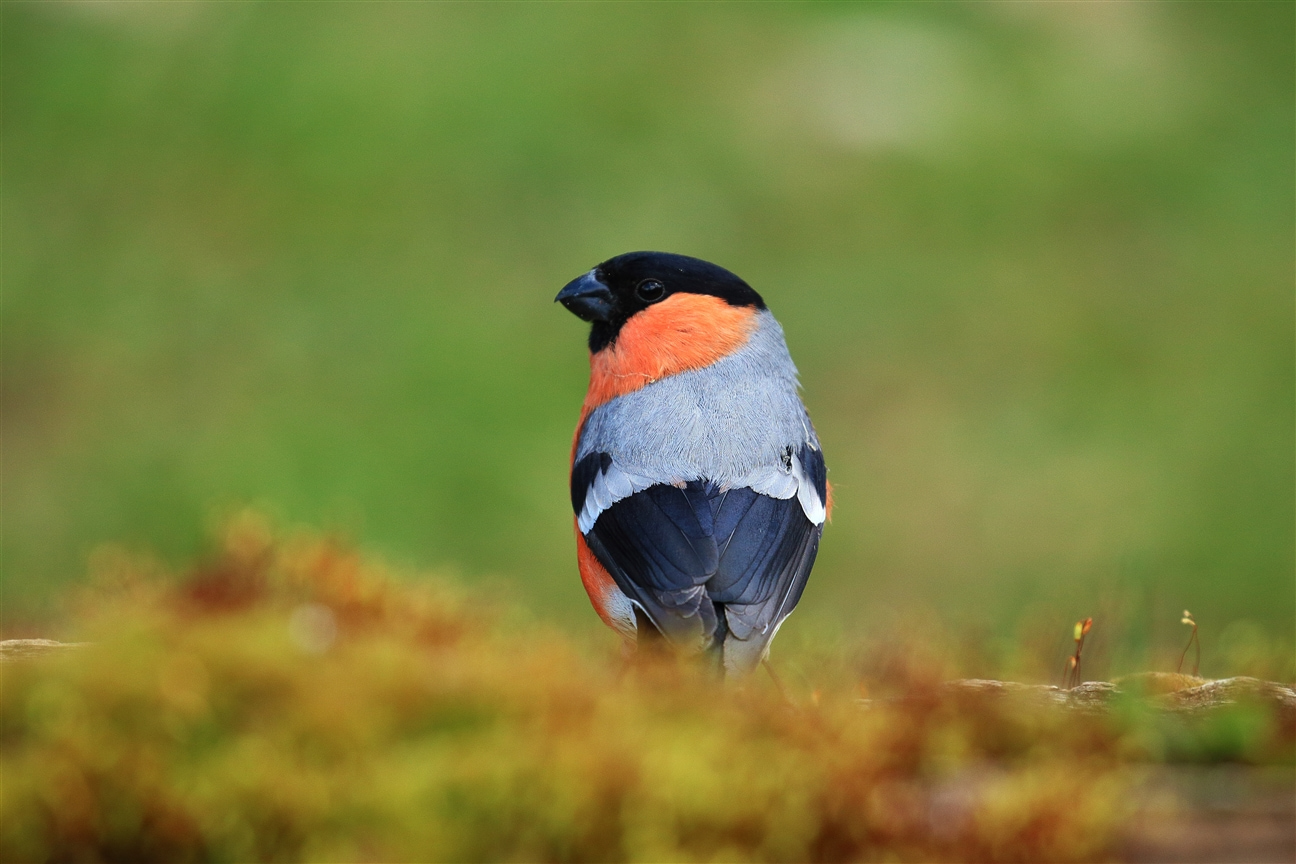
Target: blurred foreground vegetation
x=287, y=700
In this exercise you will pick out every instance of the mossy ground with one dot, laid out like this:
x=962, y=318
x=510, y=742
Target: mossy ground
x=287, y=700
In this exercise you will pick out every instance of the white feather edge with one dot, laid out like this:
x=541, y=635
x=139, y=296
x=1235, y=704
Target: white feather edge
x=615, y=484
x=814, y=508
x=608, y=488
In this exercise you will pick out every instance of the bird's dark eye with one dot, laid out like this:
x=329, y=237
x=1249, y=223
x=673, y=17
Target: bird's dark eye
x=650, y=291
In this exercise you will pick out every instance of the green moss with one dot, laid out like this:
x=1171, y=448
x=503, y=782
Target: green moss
x=202, y=724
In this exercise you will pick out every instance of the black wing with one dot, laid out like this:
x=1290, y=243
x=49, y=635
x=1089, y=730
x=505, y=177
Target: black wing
x=707, y=566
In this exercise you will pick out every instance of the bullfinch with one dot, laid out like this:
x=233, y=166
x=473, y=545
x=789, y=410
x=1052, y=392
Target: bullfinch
x=697, y=480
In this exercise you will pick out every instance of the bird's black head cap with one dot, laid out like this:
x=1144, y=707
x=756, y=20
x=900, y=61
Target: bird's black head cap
x=611, y=293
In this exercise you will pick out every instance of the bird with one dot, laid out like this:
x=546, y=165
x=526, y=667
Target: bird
x=698, y=485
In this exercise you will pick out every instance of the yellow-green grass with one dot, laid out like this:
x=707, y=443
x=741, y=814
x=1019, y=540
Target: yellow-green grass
x=1033, y=261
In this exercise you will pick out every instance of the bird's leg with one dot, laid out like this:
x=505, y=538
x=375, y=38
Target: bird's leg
x=627, y=658
x=644, y=649
x=778, y=682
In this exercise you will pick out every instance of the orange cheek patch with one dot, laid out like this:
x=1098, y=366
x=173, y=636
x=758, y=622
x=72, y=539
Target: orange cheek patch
x=683, y=332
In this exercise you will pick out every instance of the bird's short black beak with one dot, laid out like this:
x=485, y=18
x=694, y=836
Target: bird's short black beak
x=587, y=298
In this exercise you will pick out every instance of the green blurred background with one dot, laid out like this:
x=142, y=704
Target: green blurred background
x=1034, y=260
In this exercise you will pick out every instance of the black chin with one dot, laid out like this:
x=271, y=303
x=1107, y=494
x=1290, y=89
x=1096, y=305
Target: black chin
x=602, y=334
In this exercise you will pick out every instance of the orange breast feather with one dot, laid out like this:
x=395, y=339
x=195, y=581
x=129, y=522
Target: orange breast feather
x=683, y=332
x=598, y=583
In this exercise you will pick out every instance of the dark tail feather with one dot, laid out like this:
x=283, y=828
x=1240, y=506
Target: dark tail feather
x=715, y=653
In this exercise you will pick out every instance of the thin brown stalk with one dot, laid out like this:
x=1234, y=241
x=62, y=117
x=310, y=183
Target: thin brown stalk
x=1192, y=640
